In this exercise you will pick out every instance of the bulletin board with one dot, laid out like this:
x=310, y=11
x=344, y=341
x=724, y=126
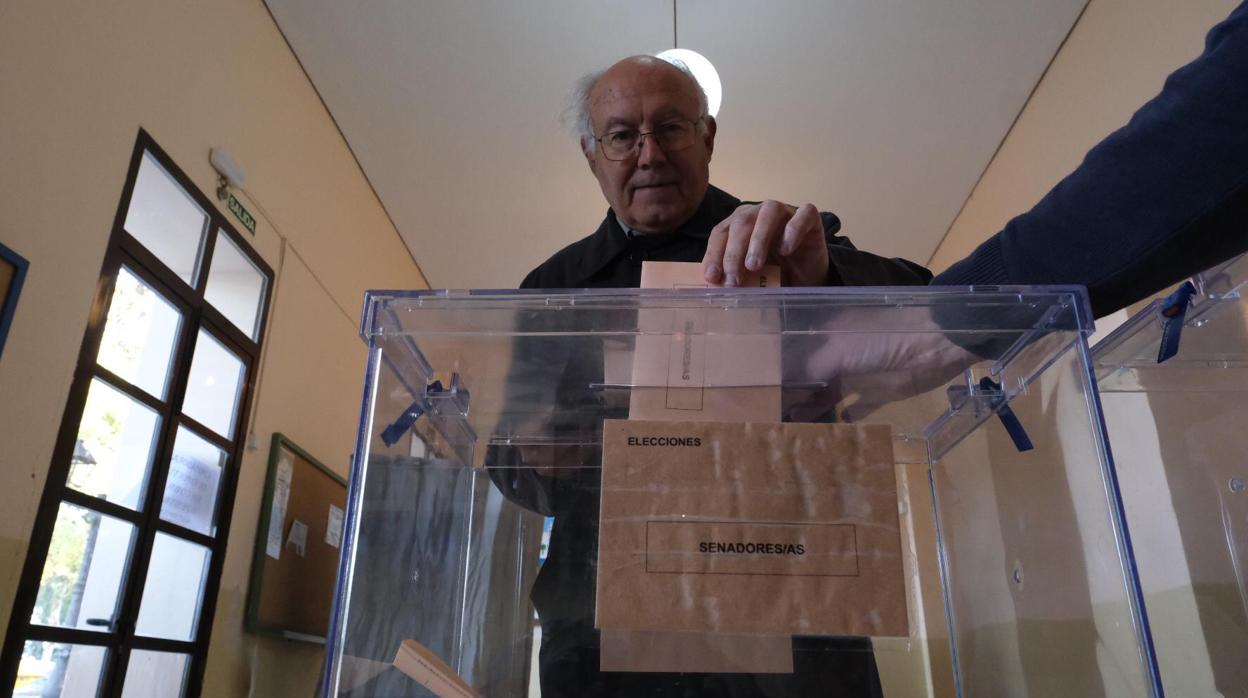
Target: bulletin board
x=298, y=540
x=12, y=274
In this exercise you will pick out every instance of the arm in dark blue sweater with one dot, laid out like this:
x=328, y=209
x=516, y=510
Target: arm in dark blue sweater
x=1158, y=200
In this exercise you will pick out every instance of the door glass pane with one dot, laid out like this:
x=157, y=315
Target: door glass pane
x=174, y=588
x=155, y=674
x=87, y=560
x=55, y=670
x=194, y=476
x=116, y=440
x=216, y=382
x=140, y=334
x=167, y=220
x=235, y=286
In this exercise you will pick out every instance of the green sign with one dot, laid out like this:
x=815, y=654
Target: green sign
x=242, y=214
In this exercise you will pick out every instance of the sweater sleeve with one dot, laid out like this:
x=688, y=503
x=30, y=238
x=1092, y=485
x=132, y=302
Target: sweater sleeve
x=1158, y=200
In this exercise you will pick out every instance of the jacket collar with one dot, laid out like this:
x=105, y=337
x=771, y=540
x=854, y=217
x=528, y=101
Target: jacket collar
x=610, y=241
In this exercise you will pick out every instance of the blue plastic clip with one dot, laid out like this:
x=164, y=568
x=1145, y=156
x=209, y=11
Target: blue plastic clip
x=391, y=434
x=1009, y=420
x=1173, y=311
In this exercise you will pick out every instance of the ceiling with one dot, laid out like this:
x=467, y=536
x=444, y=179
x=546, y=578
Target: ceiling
x=883, y=111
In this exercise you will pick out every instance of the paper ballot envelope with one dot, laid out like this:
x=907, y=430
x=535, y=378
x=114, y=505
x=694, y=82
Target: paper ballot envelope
x=695, y=362
x=755, y=528
x=692, y=363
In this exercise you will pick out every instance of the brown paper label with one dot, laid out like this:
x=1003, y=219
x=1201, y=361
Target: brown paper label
x=739, y=547
x=702, y=653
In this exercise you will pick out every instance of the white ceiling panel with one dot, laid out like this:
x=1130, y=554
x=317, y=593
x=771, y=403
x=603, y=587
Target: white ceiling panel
x=883, y=111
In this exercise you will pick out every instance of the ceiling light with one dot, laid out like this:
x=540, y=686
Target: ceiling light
x=702, y=70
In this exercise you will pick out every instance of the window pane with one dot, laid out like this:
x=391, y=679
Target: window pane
x=54, y=670
x=235, y=286
x=140, y=334
x=116, y=440
x=166, y=220
x=216, y=382
x=151, y=674
x=82, y=574
x=174, y=588
x=191, y=490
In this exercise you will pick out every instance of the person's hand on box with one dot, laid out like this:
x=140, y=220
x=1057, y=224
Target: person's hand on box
x=769, y=232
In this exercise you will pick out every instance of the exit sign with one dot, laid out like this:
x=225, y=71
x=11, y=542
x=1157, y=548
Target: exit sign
x=243, y=215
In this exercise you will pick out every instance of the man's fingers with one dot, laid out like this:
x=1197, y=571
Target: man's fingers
x=753, y=233
x=804, y=222
x=740, y=226
x=771, y=219
x=713, y=260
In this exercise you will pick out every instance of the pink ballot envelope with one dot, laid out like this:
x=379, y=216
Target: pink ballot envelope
x=706, y=364
x=689, y=275
x=682, y=373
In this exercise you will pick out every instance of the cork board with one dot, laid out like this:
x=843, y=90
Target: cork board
x=12, y=273
x=298, y=540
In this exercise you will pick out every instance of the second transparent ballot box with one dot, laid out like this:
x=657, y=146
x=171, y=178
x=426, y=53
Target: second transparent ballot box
x=1173, y=382
x=769, y=492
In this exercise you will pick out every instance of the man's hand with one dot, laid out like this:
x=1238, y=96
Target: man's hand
x=770, y=232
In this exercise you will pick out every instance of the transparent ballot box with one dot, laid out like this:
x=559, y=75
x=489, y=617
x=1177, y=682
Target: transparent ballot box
x=1179, y=432
x=705, y=492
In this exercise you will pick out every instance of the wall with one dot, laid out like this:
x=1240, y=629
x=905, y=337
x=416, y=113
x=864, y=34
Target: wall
x=77, y=81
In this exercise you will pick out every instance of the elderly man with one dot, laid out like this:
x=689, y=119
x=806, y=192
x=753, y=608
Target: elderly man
x=1159, y=199
x=648, y=139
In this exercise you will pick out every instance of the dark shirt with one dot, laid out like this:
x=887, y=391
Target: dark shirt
x=548, y=374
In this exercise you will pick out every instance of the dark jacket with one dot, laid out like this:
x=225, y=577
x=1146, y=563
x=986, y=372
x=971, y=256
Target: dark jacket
x=610, y=259
x=555, y=374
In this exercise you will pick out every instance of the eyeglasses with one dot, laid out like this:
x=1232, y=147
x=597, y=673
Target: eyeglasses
x=625, y=143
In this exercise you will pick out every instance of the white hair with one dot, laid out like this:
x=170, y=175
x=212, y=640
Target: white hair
x=576, y=116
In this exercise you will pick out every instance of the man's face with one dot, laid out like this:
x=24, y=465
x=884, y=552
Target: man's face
x=655, y=191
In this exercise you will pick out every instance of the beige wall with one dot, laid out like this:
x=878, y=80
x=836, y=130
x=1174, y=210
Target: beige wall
x=77, y=80
x=1115, y=59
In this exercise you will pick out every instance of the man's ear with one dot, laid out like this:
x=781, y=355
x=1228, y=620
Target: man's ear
x=587, y=149
x=710, y=135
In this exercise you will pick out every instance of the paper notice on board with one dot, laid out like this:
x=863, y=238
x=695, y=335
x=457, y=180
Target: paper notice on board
x=298, y=537
x=277, y=512
x=333, y=530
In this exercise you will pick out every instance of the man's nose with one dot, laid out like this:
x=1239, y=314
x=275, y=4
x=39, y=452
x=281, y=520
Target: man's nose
x=650, y=153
